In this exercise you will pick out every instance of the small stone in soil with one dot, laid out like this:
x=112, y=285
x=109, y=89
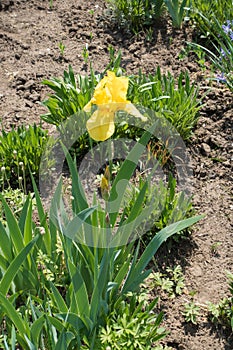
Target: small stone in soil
x=205, y=149
x=29, y=84
x=29, y=103
x=34, y=97
x=17, y=56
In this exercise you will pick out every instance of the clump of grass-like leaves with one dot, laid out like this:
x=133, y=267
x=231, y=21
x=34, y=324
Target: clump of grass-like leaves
x=20, y=151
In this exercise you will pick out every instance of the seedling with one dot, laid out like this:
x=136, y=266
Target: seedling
x=191, y=312
x=214, y=247
x=85, y=54
x=62, y=49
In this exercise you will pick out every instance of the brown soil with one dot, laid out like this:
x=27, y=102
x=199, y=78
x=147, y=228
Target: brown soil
x=30, y=33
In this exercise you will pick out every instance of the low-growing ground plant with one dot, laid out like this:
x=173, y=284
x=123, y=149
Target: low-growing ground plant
x=170, y=205
x=219, y=49
x=216, y=28
x=222, y=312
x=133, y=325
x=171, y=281
x=140, y=15
x=191, y=312
x=70, y=96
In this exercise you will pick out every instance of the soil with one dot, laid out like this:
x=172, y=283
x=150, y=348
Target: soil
x=30, y=33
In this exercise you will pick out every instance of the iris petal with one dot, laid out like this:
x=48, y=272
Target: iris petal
x=110, y=97
x=101, y=126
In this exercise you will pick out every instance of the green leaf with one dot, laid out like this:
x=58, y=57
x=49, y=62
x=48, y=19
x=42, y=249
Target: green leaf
x=100, y=285
x=5, y=243
x=30, y=344
x=42, y=217
x=56, y=207
x=4, y=263
x=132, y=280
x=121, y=181
x=64, y=340
x=14, y=266
x=14, y=316
x=23, y=214
x=136, y=208
x=76, y=223
x=77, y=189
x=60, y=303
x=80, y=291
x=28, y=225
x=14, y=229
x=70, y=318
x=55, y=322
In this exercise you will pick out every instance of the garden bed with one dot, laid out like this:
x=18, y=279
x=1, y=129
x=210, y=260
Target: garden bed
x=31, y=37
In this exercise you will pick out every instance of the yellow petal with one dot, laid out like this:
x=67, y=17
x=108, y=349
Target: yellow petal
x=110, y=89
x=131, y=109
x=87, y=107
x=118, y=87
x=102, y=93
x=101, y=126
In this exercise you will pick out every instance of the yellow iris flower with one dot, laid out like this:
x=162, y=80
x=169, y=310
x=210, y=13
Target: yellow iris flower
x=110, y=97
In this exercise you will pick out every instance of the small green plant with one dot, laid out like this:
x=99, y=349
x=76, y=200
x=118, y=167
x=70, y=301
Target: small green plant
x=176, y=206
x=176, y=10
x=184, y=52
x=171, y=282
x=50, y=4
x=20, y=152
x=215, y=247
x=169, y=207
x=191, y=312
x=132, y=325
x=61, y=48
x=85, y=54
x=222, y=312
x=201, y=57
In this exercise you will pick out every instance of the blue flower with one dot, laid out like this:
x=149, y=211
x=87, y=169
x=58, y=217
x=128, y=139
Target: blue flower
x=220, y=78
